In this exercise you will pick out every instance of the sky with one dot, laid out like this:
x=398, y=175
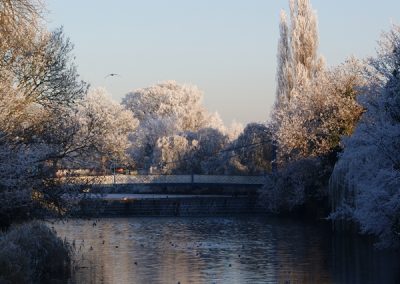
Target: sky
x=225, y=47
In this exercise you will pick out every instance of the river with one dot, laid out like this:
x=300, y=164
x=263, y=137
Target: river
x=222, y=250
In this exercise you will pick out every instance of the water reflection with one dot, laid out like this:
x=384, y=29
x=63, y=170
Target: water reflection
x=222, y=250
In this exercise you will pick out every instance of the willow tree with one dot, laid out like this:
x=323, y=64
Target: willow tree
x=365, y=184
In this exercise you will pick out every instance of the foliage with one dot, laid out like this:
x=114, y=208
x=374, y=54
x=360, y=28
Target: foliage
x=301, y=184
x=190, y=152
x=298, y=60
x=284, y=74
x=40, y=92
x=169, y=100
x=315, y=107
x=205, y=157
x=176, y=134
x=104, y=127
x=165, y=110
x=365, y=185
x=32, y=253
x=312, y=124
x=254, y=148
x=171, y=154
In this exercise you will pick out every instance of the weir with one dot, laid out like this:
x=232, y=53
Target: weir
x=191, y=206
x=169, y=195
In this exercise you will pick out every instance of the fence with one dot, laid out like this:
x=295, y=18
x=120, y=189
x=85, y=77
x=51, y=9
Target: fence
x=168, y=179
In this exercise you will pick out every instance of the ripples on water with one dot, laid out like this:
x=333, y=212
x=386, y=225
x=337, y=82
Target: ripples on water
x=222, y=250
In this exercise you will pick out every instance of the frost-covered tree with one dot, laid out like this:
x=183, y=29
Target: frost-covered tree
x=315, y=106
x=284, y=74
x=309, y=138
x=144, y=140
x=304, y=41
x=312, y=125
x=18, y=33
x=209, y=146
x=104, y=127
x=191, y=152
x=299, y=71
x=298, y=60
x=254, y=148
x=233, y=131
x=365, y=185
x=38, y=89
x=169, y=100
x=19, y=29
x=164, y=110
x=171, y=154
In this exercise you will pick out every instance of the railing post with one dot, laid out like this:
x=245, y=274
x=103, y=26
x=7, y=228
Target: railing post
x=113, y=173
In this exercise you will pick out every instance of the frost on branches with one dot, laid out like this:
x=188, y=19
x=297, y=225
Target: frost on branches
x=298, y=60
x=168, y=100
x=164, y=111
x=254, y=149
x=104, y=125
x=299, y=69
x=315, y=106
x=312, y=124
x=365, y=185
x=39, y=92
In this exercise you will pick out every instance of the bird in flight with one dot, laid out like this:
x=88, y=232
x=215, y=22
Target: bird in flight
x=111, y=75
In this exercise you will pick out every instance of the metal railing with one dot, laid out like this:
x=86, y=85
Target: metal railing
x=168, y=179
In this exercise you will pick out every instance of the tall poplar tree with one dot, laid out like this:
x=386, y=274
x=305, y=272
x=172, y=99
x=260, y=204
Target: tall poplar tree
x=284, y=76
x=298, y=60
x=304, y=40
x=298, y=67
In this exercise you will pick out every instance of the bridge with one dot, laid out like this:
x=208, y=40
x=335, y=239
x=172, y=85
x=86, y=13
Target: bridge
x=168, y=180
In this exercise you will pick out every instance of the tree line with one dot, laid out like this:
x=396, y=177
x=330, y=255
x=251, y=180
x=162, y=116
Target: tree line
x=337, y=131
x=51, y=121
x=330, y=147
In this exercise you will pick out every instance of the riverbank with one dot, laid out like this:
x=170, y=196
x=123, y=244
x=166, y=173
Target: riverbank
x=33, y=253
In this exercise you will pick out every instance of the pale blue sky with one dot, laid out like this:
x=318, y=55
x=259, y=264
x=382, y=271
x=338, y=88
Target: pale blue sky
x=225, y=47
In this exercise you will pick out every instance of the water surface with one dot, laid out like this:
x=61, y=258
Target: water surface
x=222, y=250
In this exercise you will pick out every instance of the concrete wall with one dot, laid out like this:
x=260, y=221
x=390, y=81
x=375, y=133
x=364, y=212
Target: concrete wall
x=218, y=189
x=197, y=206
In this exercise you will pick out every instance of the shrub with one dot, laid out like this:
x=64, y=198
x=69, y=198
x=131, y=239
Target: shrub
x=301, y=184
x=33, y=253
